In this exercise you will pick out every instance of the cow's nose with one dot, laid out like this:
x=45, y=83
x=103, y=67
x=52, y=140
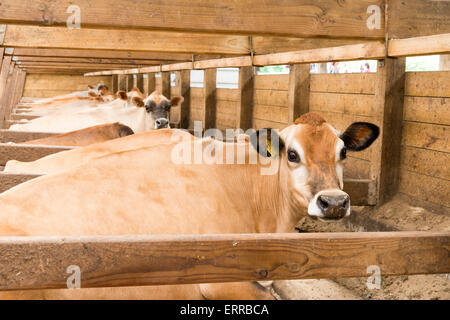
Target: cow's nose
x=332, y=206
x=161, y=123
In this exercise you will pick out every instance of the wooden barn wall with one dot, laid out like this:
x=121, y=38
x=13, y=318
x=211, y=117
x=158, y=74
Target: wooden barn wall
x=270, y=101
x=226, y=105
x=197, y=106
x=425, y=153
x=50, y=85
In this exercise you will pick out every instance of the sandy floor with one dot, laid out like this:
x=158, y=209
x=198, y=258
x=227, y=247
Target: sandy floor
x=397, y=214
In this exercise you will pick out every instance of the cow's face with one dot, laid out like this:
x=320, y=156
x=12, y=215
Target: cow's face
x=311, y=155
x=159, y=107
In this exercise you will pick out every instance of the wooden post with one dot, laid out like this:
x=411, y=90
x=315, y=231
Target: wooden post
x=385, y=154
x=184, y=89
x=21, y=85
x=444, y=62
x=165, y=81
x=12, y=91
x=122, y=82
x=4, y=82
x=149, y=83
x=139, y=81
x=115, y=83
x=298, y=96
x=244, y=112
x=209, y=88
x=130, y=82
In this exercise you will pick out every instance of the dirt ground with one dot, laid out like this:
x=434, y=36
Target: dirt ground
x=397, y=214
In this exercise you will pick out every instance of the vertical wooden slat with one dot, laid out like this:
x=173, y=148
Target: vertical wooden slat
x=298, y=94
x=389, y=95
x=122, y=82
x=139, y=81
x=184, y=90
x=115, y=83
x=21, y=85
x=12, y=91
x=4, y=78
x=130, y=82
x=209, y=87
x=165, y=81
x=149, y=83
x=244, y=111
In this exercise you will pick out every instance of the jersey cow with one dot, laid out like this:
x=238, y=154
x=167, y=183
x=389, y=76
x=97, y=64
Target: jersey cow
x=152, y=191
x=141, y=115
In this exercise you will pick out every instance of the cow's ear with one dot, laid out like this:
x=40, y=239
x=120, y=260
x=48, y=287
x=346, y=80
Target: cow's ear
x=176, y=101
x=360, y=135
x=90, y=87
x=138, y=102
x=267, y=142
x=122, y=95
x=92, y=94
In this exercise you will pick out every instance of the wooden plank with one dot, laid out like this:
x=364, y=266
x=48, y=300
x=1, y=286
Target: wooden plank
x=89, y=60
x=226, y=121
x=361, y=83
x=224, y=63
x=244, y=109
x=177, y=66
x=299, y=83
x=137, y=40
x=351, y=104
x=292, y=17
x=436, y=44
x=424, y=187
x=272, y=82
x=149, y=84
x=271, y=113
x=227, y=107
x=115, y=83
x=227, y=94
x=413, y=18
x=26, y=153
x=261, y=124
x=361, y=192
x=370, y=50
x=122, y=82
x=427, y=162
x=22, y=136
x=165, y=84
x=209, y=87
x=8, y=88
x=426, y=136
x=444, y=62
x=385, y=156
x=271, y=97
x=149, y=260
x=21, y=87
x=183, y=81
x=4, y=74
x=428, y=84
x=10, y=180
x=355, y=168
x=427, y=109
x=64, y=65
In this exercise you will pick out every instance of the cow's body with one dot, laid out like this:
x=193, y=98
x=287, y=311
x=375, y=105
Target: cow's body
x=85, y=137
x=147, y=191
x=68, y=159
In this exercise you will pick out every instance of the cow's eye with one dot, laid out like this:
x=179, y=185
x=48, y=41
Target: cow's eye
x=343, y=153
x=293, y=156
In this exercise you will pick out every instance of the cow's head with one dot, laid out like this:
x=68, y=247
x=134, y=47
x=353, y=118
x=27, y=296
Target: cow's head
x=159, y=107
x=311, y=156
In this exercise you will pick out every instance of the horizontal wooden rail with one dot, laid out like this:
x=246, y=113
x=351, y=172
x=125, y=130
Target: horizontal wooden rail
x=22, y=136
x=22, y=152
x=10, y=180
x=42, y=262
x=436, y=44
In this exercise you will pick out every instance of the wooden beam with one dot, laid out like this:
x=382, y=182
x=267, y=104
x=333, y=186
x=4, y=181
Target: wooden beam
x=22, y=136
x=21, y=86
x=414, y=18
x=14, y=87
x=56, y=65
x=165, y=84
x=26, y=152
x=183, y=79
x=10, y=180
x=137, y=40
x=370, y=50
x=149, y=83
x=7, y=65
x=209, y=89
x=162, y=260
x=224, y=63
x=436, y=44
x=90, y=60
x=296, y=18
x=298, y=94
x=244, y=113
x=385, y=154
x=177, y=66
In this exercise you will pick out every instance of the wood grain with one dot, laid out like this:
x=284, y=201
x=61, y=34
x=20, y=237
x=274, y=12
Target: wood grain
x=26, y=152
x=41, y=263
x=22, y=136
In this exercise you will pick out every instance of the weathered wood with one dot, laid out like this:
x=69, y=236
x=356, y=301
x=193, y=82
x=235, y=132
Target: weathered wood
x=427, y=136
x=122, y=82
x=139, y=81
x=298, y=94
x=114, y=261
x=89, y=60
x=413, y=18
x=424, y=161
x=165, y=84
x=389, y=95
x=272, y=82
x=130, y=82
x=350, y=104
x=427, y=109
x=115, y=83
x=444, y=62
x=371, y=50
x=271, y=97
x=209, y=87
x=10, y=180
x=7, y=92
x=227, y=94
x=183, y=85
x=224, y=63
x=271, y=113
x=85, y=66
x=245, y=105
x=292, y=17
x=4, y=74
x=177, y=66
x=26, y=152
x=436, y=44
x=149, y=83
x=361, y=192
x=361, y=83
x=428, y=84
x=22, y=136
x=137, y=40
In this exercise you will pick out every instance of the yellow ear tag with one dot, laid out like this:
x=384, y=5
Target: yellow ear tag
x=269, y=149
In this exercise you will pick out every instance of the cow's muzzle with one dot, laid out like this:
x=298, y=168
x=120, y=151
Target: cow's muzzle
x=330, y=205
x=162, y=123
